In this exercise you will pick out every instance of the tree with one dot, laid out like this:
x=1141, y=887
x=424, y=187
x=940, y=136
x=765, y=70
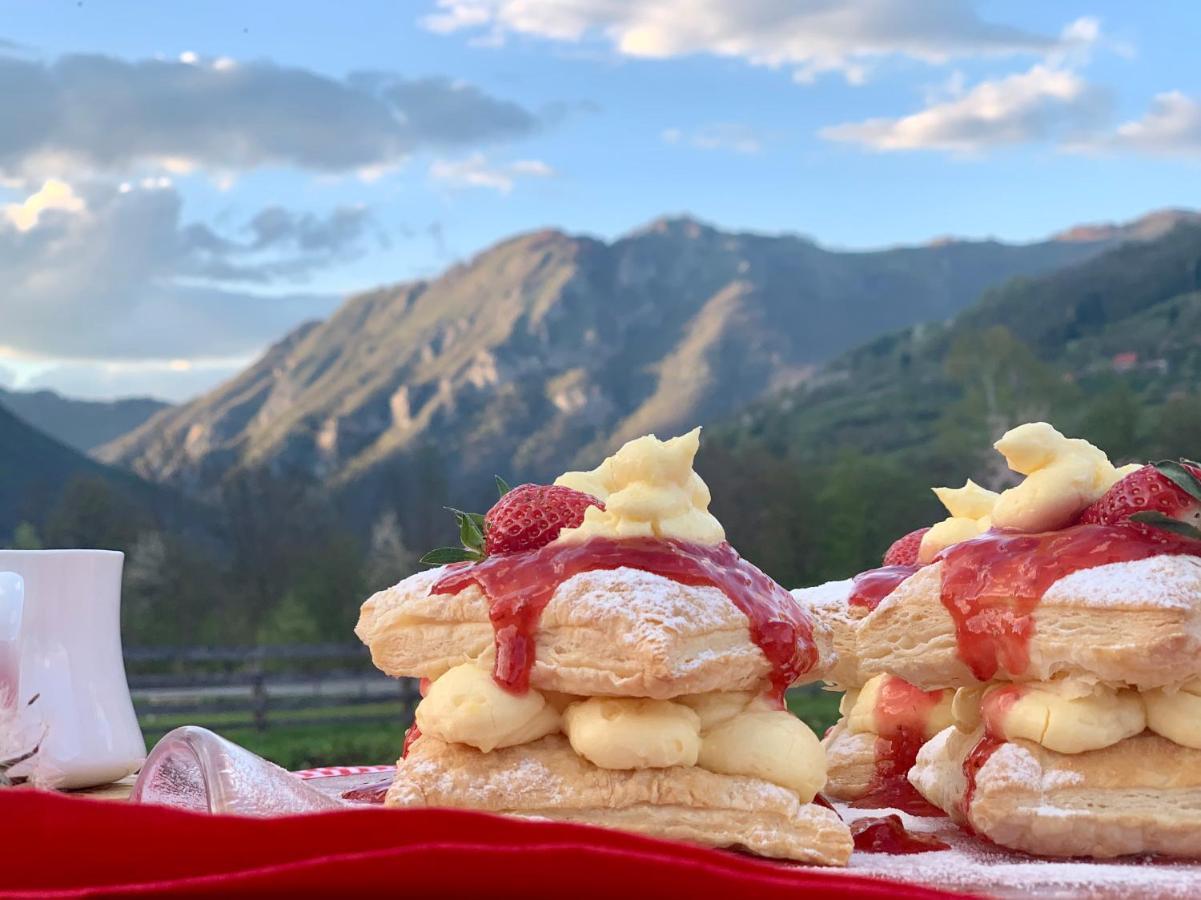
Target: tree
x=90, y=513
x=1004, y=384
x=388, y=559
x=25, y=537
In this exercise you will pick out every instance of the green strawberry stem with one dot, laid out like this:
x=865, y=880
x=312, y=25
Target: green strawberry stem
x=472, y=530
x=1167, y=523
x=1181, y=476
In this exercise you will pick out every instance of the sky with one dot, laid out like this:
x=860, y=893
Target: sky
x=182, y=183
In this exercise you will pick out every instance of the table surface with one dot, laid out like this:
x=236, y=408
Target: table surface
x=119, y=790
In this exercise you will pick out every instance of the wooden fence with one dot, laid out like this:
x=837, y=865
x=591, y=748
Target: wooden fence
x=229, y=688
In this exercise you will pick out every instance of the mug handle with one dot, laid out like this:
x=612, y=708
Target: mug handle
x=12, y=602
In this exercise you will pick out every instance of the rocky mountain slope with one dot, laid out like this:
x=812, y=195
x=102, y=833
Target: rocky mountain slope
x=549, y=349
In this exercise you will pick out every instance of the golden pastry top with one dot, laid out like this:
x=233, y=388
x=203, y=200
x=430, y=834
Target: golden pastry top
x=649, y=489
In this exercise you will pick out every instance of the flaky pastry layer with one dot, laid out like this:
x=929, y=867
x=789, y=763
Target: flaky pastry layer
x=619, y=632
x=546, y=779
x=828, y=605
x=1137, y=624
x=850, y=762
x=1142, y=795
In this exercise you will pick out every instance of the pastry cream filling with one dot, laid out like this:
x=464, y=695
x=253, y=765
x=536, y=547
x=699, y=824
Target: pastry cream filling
x=728, y=733
x=1176, y=714
x=1066, y=715
x=971, y=514
x=649, y=490
x=1063, y=476
x=771, y=744
x=860, y=709
x=627, y=733
x=466, y=706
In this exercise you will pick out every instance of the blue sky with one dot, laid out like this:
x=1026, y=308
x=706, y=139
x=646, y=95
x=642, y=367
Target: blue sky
x=181, y=183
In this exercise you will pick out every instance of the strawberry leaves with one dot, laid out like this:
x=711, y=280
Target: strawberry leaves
x=1183, y=474
x=472, y=535
x=1167, y=523
x=1180, y=475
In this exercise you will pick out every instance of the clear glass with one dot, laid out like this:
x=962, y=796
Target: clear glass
x=195, y=769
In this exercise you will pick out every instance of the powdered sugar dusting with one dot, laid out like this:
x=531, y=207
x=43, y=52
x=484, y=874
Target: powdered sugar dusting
x=1161, y=582
x=977, y=866
x=1017, y=766
x=831, y=595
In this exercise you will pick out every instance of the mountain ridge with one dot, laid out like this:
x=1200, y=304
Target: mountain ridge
x=81, y=424
x=548, y=349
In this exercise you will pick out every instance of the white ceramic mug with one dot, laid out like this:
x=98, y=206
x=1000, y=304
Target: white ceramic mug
x=60, y=630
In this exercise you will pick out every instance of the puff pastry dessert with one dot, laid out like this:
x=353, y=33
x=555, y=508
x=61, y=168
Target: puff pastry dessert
x=884, y=720
x=616, y=664
x=1064, y=614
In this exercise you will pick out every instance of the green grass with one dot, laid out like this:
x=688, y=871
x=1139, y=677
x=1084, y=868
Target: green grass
x=367, y=743
x=817, y=709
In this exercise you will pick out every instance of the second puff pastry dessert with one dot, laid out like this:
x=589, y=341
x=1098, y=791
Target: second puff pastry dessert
x=1067, y=619
x=612, y=661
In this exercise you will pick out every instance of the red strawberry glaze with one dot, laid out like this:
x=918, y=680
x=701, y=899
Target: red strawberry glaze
x=410, y=736
x=901, y=713
x=993, y=709
x=869, y=588
x=519, y=585
x=887, y=834
x=369, y=793
x=992, y=584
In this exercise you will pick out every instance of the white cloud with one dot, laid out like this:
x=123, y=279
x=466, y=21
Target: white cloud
x=476, y=171
x=809, y=36
x=54, y=194
x=123, y=278
x=1171, y=127
x=728, y=136
x=99, y=114
x=1042, y=104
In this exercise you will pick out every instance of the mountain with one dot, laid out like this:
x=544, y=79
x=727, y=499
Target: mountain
x=35, y=469
x=81, y=424
x=1145, y=228
x=1110, y=348
x=548, y=349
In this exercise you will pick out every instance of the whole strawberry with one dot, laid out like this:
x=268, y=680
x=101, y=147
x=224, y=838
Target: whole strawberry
x=526, y=517
x=1166, y=495
x=903, y=551
x=532, y=515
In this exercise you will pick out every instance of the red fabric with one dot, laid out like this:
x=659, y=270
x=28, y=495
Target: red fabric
x=61, y=846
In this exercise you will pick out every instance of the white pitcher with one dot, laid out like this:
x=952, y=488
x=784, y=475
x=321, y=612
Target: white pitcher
x=60, y=641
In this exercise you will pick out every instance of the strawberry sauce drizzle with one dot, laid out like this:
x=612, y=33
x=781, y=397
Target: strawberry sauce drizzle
x=992, y=584
x=519, y=585
x=887, y=834
x=993, y=709
x=901, y=713
x=869, y=588
x=373, y=793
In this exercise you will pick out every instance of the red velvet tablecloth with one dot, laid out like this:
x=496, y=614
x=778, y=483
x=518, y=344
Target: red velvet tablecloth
x=62, y=846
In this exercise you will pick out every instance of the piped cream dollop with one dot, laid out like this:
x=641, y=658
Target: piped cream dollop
x=970, y=509
x=766, y=743
x=862, y=715
x=1176, y=714
x=649, y=489
x=626, y=733
x=1065, y=715
x=1063, y=477
x=467, y=706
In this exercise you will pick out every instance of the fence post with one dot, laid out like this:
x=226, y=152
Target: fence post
x=258, y=692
